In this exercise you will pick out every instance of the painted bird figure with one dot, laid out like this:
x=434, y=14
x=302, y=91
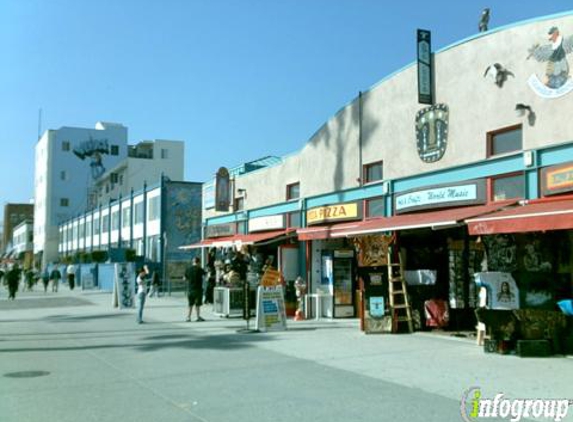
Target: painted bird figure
x=484, y=20
x=498, y=73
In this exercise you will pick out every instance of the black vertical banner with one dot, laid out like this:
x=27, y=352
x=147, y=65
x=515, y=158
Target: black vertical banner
x=222, y=190
x=425, y=86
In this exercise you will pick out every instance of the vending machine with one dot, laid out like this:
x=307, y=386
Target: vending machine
x=338, y=280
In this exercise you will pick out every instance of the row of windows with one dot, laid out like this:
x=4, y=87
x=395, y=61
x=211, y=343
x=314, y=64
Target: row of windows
x=153, y=214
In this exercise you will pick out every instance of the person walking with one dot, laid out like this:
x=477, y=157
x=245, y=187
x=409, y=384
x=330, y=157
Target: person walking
x=13, y=279
x=141, y=292
x=55, y=276
x=45, y=279
x=194, y=277
x=71, y=274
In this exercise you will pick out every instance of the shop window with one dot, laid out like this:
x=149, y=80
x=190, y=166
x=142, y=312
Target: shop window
x=372, y=172
x=138, y=213
x=239, y=204
x=375, y=207
x=293, y=191
x=105, y=224
x=508, y=187
x=242, y=227
x=293, y=219
x=153, y=209
x=505, y=140
x=126, y=214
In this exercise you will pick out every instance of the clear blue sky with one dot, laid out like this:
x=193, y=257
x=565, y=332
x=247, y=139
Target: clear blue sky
x=235, y=79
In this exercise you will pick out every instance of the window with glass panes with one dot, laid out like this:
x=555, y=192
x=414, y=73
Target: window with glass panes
x=505, y=141
x=373, y=172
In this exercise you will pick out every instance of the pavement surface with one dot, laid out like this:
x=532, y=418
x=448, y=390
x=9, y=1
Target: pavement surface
x=71, y=356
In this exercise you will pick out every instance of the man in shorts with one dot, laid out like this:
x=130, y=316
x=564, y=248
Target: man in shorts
x=194, y=276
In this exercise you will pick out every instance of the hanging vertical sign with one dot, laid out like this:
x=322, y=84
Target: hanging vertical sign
x=222, y=190
x=425, y=87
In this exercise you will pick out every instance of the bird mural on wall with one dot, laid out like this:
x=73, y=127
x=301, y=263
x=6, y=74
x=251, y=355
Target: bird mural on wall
x=555, y=55
x=498, y=73
x=484, y=20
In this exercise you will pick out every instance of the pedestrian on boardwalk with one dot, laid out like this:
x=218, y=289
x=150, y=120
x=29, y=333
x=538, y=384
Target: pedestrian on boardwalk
x=55, y=276
x=45, y=279
x=155, y=283
x=30, y=279
x=13, y=279
x=141, y=292
x=194, y=277
x=71, y=273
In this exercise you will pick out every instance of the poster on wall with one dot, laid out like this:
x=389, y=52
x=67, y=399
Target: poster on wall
x=553, y=54
x=124, y=286
x=372, y=250
x=502, y=291
x=271, y=314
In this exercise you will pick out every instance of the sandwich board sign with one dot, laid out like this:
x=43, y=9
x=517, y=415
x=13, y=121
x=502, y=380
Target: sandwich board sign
x=271, y=315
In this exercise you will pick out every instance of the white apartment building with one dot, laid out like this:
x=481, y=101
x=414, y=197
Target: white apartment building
x=68, y=162
x=145, y=163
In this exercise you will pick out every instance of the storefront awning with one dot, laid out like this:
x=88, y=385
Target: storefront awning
x=533, y=216
x=324, y=232
x=433, y=219
x=239, y=240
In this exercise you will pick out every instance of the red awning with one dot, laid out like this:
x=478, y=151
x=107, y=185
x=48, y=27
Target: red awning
x=434, y=219
x=241, y=239
x=324, y=232
x=530, y=217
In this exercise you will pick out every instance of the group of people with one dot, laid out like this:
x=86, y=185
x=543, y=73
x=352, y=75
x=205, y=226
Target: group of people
x=14, y=275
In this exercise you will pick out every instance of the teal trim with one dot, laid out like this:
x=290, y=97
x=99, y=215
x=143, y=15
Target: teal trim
x=345, y=196
x=230, y=218
x=491, y=167
x=275, y=209
x=531, y=184
x=555, y=155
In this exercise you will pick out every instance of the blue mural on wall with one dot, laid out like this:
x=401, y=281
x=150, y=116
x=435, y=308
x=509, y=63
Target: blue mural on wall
x=182, y=219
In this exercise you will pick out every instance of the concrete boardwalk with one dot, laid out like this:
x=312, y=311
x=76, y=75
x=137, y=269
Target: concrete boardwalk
x=97, y=364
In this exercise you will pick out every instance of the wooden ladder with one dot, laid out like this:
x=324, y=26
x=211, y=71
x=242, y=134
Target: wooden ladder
x=397, y=293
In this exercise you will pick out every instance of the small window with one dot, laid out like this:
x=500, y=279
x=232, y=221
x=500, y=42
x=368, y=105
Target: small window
x=96, y=226
x=293, y=219
x=114, y=150
x=138, y=213
x=164, y=153
x=115, y=220
x=505, y=141
x=153, y=209
x=63, y=175
x=373, y=172
x=239, y=204
x=375, y=207
x=64, y=202
x=125, y=217
x=105, y=224
x=293, y=191
x=508, y=187
x=65, y=145
x=120, y=179
x=113, y=178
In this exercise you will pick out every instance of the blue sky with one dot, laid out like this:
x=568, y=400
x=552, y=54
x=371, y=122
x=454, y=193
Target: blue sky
x=235, y=79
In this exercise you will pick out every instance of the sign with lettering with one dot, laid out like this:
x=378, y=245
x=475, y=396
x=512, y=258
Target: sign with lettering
x=466, y=193
x=557, y=179
x=424, y=47
x=270, y=222
x=218, y=230
x=124, y=285
x=334, y=213
x=271, y=315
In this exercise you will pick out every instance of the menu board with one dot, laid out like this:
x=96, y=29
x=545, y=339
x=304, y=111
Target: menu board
x=271, y=315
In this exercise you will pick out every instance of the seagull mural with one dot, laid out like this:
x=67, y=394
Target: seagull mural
x=498, y=73
x=557, y=80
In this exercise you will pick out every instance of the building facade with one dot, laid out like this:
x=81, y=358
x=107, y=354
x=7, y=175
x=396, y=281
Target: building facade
x=14, y=214
x=23, y=242
x=153, y=222
x=67, y=163
x=388, y=164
